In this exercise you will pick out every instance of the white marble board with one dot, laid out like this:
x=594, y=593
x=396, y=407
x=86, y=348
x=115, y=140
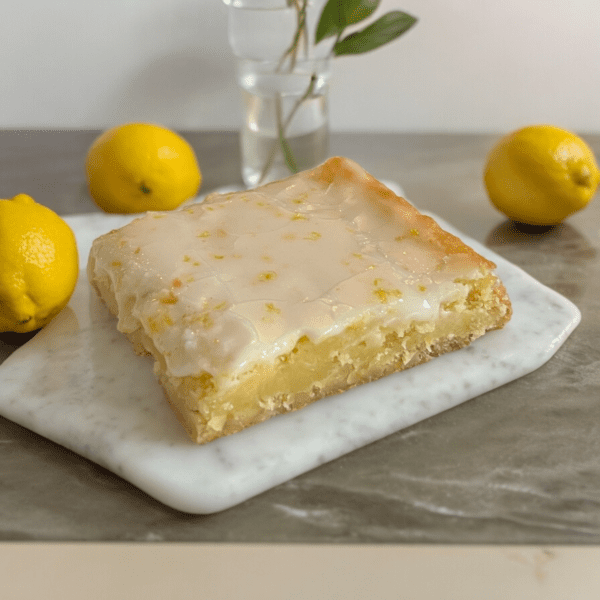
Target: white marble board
x=79, y=383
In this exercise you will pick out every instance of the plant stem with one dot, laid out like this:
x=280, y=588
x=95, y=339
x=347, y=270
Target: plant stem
x=281, y=128
x=300, y=33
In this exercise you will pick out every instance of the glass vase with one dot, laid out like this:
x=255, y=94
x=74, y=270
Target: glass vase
x=283, y=78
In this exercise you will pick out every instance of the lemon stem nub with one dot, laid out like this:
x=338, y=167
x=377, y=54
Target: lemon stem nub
x=144, y=189
x=582, y=177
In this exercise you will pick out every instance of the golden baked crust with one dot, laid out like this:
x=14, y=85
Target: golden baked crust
x=258, y=303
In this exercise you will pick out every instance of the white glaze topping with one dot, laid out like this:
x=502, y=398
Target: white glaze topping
x=241, y=277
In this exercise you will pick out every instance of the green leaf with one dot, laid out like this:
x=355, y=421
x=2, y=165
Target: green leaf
x=338, y=14
x=382, y=31
x=357, y=10
x=330, y=22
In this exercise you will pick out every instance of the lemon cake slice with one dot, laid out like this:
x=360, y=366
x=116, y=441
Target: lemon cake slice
x=260, y=302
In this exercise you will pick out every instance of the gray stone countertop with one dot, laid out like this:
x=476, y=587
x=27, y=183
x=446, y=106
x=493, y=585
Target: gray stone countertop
x=520, y=464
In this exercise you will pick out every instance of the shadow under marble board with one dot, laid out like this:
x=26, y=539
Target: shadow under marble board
x=79, y=383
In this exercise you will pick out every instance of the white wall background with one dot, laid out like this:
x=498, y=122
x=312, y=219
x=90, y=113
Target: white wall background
x=468, y=65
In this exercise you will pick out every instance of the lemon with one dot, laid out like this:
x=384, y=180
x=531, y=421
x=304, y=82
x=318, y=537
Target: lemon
x=539, y=175
x=38, y=264
x=138, y=167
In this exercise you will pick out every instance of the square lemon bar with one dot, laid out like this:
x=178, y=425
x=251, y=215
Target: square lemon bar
x=260, y=302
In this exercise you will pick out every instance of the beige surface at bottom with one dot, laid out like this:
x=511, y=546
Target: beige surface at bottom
x=221, y=571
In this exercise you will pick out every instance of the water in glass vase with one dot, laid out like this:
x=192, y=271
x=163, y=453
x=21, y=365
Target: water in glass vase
x=306, y=136
x=284, y=84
